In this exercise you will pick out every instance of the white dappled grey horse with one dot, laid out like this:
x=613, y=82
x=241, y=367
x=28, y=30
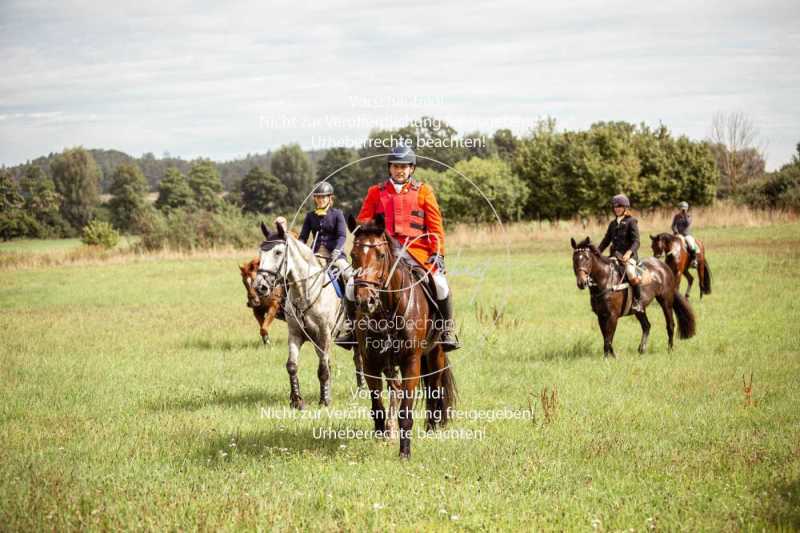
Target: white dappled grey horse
x=311, y=309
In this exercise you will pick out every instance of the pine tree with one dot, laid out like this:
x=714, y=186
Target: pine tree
x=205, y=183
x=77, y=179
x=261, y=192
x=174, y=191
x=129, y=190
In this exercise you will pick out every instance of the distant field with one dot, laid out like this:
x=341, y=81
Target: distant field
x=134, y=396
x=40, y=245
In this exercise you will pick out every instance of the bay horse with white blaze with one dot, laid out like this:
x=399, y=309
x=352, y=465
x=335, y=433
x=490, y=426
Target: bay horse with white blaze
x=395, y=327
x=610, y=296
x=677, y=257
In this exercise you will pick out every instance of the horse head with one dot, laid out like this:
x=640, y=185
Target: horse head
x=272, y=258
x=659, y=244
x=372, y=256
x=248, y=272
x=584, y=255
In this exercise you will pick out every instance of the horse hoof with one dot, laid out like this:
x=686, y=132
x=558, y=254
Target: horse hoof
x=324, y=402
x=298, y=404
x=405, y=456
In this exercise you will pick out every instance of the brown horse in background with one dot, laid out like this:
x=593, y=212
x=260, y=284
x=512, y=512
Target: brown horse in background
x=609, y=300
x=267, y=308
x=677, y=257
x=395, y=327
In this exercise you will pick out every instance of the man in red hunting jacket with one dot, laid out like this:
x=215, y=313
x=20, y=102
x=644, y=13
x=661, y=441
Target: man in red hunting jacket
x=412, y=217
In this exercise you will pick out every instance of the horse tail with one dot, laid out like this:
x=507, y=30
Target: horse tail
x=685, y=315
x=450, y=393
x=705, y=281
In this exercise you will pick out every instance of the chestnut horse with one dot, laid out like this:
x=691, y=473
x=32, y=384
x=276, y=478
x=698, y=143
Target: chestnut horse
x=610, y=300
x=677, y=257
x=395, y=327
x=266, y=308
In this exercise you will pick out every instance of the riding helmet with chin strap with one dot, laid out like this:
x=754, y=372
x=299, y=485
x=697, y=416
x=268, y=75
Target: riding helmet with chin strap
x=620, y=200
x=402, y=155
x=323, y=188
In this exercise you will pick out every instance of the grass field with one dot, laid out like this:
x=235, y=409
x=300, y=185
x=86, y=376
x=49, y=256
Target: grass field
x=137, y=395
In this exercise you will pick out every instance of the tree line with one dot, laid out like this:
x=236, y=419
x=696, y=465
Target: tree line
x=547, y=174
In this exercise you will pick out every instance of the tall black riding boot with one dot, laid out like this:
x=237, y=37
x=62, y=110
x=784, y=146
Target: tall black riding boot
x=449, y=341
x=637, y=298
x=347, y=339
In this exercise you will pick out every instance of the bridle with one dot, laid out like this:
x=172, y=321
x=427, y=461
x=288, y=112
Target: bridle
x=588, y=274
x=381, y=281
x=271, y=277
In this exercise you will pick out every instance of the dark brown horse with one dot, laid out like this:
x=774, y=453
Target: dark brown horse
x=396, y=327
x=265, y=308
x=610, y=300
x=677, y=257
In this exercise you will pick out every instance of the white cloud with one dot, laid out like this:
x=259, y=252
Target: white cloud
x=158, y=76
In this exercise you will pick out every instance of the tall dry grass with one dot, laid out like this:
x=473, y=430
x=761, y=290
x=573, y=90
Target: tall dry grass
x=462, y=236
x=720, y=215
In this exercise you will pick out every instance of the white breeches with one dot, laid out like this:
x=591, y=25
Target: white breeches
x=630, y=270
x=690, y=242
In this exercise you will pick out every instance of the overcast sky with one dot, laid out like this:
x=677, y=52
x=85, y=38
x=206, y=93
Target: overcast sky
x=223, y=79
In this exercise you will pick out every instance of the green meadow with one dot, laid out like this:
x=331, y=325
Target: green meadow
x=137, y=395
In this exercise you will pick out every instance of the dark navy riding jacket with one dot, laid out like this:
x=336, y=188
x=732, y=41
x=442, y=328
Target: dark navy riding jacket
x=681, y=223
x=329, y=230
x=623, y=236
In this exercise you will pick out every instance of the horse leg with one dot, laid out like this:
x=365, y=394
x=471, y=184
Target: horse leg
x=608, y=325
x=645, y=330
x=394, y=385
x=375, y=384
x=410, y=370
x=324, y=374
x=689, y=280
x=295, y=399
x=358, y=361
x=259, y=313
x=666, y=306
x=436, y=363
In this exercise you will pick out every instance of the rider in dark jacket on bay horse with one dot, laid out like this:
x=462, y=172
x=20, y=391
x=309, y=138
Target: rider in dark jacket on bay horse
x=623, y=235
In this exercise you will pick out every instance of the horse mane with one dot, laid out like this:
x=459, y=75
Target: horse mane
x=587, y=243
x=668, y=237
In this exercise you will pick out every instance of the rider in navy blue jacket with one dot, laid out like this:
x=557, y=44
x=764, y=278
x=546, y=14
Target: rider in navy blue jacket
x=325, y=224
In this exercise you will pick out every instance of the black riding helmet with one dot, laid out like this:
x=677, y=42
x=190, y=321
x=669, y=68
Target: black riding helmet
x=620, y=200
x=402, y=155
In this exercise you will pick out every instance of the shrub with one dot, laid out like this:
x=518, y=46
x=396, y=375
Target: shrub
x=181, y=229
x=97, y=233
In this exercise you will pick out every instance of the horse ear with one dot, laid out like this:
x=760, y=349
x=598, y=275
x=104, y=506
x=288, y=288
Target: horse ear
x=652, y=238
x=352, y=223
x=281, y=229
x=380, y=222
x=574, y=244
x=264, y=230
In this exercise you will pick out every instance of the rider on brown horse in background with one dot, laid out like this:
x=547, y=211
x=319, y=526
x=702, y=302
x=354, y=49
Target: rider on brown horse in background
x=412, y=217
x=681, y=223
x=623, y=235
